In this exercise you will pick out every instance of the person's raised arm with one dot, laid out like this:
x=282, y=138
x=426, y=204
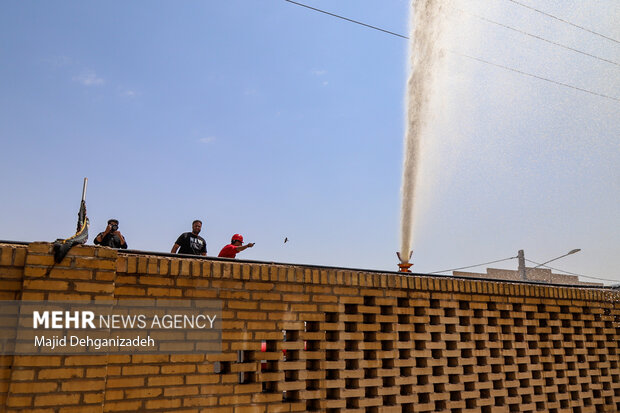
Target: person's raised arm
x=123, y=242
x=99, y=238
x=242, y=247
x=175, y=248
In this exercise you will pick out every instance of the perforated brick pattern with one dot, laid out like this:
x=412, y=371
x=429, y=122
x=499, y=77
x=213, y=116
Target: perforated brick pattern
x=304, y=339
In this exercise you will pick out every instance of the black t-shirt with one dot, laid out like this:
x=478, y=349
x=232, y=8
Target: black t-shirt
x=111, y=240
x=191, y=244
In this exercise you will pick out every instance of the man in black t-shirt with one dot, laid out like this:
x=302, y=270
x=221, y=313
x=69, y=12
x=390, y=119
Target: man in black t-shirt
x=190, y=242
x=111, y=237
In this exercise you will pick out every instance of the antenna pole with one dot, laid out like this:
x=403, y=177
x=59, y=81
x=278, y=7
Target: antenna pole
x=84, y=189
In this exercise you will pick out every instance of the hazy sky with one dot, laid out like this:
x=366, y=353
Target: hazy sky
x=271, y=120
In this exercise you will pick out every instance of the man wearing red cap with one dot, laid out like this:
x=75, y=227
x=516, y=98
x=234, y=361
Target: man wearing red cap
x=235, y=246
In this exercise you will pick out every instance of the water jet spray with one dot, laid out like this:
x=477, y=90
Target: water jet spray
x=424, y=58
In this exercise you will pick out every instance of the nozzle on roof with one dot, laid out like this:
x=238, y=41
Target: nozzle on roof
x=404, y=264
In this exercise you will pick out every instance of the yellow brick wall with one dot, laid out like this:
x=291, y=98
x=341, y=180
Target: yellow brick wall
x=355, y=341
x=12, y=259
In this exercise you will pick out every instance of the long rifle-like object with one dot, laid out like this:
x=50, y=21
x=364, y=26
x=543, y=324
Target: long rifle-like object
x=62, y=246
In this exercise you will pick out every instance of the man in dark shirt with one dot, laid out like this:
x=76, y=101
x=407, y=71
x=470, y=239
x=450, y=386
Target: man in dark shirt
x=190, y=242
x=111, y=237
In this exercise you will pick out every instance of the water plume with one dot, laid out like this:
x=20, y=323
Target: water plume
x=424, y=56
